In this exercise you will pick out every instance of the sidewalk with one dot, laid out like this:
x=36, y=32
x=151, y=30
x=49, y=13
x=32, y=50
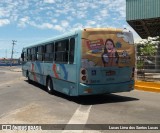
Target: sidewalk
x=13, y=68
x=147, y=86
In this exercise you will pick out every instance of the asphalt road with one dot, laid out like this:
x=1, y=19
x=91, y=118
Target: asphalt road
x=21, y=102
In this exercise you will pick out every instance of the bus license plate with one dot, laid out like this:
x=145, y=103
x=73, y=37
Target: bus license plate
x=110, y=73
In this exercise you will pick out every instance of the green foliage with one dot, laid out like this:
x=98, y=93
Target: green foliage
x=146, y=48
x=140, y=64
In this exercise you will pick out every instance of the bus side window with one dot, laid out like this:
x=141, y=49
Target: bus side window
x=49, y=52
x=28, y=54
x=23, y=56
x=61, y=51
x=40, y=53
x=33, y=54
x=71, y=51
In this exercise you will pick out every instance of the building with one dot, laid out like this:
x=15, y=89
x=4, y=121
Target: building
x=7, y=62
x=144, y=17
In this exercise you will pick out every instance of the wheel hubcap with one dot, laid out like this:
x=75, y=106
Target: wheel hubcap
x=49, y=85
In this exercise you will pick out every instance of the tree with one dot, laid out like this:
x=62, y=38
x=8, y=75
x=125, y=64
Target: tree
x=146, y=49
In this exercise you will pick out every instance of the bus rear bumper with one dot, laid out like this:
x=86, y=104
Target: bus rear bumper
x=87, y=89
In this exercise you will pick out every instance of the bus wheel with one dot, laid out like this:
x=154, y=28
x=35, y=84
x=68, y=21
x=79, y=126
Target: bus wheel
x=29, y=80
x=50, y=86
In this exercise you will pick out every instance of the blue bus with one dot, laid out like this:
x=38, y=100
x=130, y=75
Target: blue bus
x=83, y=62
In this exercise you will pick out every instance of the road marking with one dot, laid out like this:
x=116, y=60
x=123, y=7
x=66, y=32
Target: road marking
x=79, y=117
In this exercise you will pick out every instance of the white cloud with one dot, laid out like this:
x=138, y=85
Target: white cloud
x=23, y=21
x=58, y=28
x=48, y=26
x=98, y=18
x=83, y=5
x=104, y=12
x=2, y=48
x=61, y=28
x=4, y=13
x=77, y=26
x=49, y=1
x=81, y=14
x=118, y=6
x=54, y=20
x=64, y=23
x=14, y=17
x=4, y=22
x=50, y=14
x=44, y=26
x=70, y=18
x=104, y=2
x=91, y=22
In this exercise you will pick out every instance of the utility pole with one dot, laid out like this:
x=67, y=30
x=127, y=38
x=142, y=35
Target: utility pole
x=13, y=43
x=6, y=53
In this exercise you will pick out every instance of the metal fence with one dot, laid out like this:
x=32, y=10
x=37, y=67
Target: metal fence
x=148, y=67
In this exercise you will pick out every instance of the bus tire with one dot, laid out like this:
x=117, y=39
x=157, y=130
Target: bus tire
x=49, y=86
x=28, y=78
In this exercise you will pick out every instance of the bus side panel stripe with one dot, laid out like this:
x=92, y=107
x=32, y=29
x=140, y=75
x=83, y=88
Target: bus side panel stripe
x=40, y=71
x=35, y=79
x=65, y=72
x=54, y=70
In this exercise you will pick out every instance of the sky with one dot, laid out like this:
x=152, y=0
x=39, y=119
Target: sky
x=29, y=21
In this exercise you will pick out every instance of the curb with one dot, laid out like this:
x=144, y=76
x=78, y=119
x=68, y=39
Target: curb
x=147, y=86
x=15, y=70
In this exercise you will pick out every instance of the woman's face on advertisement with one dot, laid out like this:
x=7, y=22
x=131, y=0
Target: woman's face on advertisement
x=109, y=45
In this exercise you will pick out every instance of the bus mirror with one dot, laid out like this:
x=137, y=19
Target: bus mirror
x=22, y=55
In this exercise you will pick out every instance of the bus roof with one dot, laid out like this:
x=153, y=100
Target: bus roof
x=72, y=33
x=103, y=29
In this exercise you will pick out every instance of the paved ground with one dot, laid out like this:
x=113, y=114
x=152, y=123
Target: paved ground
x=21, y=102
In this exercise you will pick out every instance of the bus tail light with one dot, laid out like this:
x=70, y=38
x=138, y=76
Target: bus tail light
x=84, y=78
x=83, y=71
x=83, y=75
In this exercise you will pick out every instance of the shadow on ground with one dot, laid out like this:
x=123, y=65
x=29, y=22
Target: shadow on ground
x=90, y=100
